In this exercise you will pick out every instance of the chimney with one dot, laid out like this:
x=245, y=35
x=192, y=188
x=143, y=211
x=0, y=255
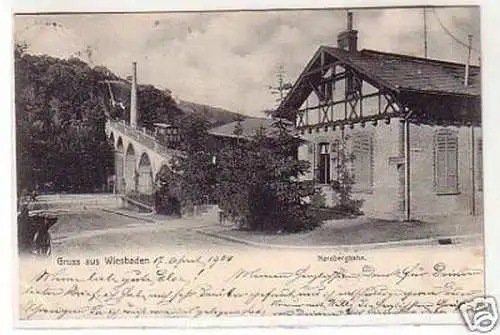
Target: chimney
x=348, y=39
x=133, y=97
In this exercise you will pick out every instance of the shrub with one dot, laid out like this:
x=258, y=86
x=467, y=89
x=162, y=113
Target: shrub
x=258, y=185
x=318, y=199
x=343, y=186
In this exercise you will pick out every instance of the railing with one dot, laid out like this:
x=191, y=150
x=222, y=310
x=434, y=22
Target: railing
x=140, y=201
x=144, y=137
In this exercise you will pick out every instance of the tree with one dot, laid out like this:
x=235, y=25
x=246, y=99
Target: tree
x=60, y=140
x=193, y=166
x=233, y=179
x=156, y=106
x=258, y=182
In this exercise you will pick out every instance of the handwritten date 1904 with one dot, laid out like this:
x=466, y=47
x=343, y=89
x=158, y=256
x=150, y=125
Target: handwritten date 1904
x=202, y=261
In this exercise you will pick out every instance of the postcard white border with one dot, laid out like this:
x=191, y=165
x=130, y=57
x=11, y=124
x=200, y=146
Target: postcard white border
x=491, y=72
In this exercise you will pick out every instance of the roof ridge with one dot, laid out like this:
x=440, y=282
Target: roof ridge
x=416, y=58
x=403, y=56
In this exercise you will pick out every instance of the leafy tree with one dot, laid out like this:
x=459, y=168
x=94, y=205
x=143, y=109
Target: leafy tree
x=194, y=167
x=233, y=178
x=60, y=141
x=258, y=182
x=156, y=106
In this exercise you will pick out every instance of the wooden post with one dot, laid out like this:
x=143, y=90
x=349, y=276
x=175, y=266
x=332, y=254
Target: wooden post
x=407, y=168
x=467, y=65
x=425, y=33
x=472, y=135
x=407, y=164
x=473, y=170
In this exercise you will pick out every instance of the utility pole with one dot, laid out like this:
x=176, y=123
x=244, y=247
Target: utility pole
x=425, y=32
x=467, y=65
x=472, y=134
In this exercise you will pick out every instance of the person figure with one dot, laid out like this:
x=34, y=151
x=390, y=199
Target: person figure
x=42, y=239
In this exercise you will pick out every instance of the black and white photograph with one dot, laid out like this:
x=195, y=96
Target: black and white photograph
x=256, y=163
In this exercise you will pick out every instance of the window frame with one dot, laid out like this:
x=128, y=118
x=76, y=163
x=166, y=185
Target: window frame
x=449, y=136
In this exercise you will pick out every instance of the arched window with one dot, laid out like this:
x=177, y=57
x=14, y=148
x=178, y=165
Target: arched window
x=324, y=163
x=446, y=162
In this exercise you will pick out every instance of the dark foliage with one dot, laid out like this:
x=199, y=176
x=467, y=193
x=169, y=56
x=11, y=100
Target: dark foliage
x=156, y=106
x=258, y=185
x=61, y=110
x=60, y=140
x=343, y=186
x=193, y=170
x=167, y=194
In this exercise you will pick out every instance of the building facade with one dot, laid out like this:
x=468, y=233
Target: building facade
x=410, y=126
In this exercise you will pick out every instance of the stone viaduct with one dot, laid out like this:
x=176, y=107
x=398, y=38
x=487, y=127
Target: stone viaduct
x=138, y=154
x=138, y=157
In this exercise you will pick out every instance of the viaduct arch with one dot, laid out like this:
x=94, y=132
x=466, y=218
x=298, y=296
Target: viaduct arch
x=137, y=161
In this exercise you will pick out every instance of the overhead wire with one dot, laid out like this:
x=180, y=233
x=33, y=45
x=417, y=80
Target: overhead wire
x=450, y=34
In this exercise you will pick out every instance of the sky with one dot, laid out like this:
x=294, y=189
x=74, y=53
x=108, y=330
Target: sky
x=229, y=59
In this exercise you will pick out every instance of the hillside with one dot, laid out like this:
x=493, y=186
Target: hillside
x=155, y=105
x=214, y=115
x=61, y=107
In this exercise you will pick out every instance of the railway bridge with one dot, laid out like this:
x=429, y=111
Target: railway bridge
x=138, y=157
x=139, y=154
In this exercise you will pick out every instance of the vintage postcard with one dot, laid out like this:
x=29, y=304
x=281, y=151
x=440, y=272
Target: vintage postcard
x=233, y=168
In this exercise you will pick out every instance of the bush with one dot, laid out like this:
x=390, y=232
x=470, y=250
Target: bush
x=167, y=203
x=343, y=186
x=318, y=199
x=166, y=197
x=352, y=207
x=257, y=184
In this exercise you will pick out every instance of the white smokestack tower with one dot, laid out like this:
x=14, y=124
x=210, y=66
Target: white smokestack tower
x=133, y=97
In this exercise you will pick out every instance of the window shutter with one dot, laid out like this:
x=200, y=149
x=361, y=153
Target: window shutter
x=446, y=162
x=452, y=163
x=336, y=160
x=441, y=163
x=303, y=154
x=363, y=158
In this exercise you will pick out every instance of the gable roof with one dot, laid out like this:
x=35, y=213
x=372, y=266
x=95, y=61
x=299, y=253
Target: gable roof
x=395, y=72
x=413, y=73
